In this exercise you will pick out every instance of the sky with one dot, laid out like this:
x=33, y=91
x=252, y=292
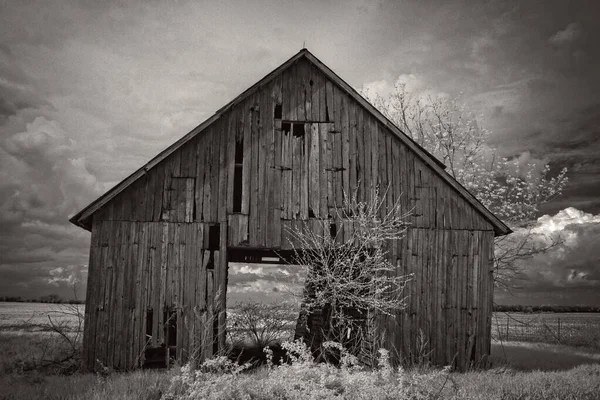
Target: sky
x=90, y=91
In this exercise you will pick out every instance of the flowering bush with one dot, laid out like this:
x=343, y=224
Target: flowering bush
x=303, y=378
x=513, y=189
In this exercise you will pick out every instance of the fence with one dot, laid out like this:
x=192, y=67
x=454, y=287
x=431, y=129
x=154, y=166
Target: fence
x=575, y=330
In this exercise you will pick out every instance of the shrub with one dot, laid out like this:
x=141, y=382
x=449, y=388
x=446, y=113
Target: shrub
x=303, y=378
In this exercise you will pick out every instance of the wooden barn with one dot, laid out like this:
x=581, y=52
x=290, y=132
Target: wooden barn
x=281, y=154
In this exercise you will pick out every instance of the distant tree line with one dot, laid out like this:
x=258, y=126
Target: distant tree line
x=544, y=308
x=49, y=298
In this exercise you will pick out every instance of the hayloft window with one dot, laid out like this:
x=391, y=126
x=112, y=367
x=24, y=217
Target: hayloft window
x=278, y=111
x=214, y=237
x=237, y=176
x=295, y=128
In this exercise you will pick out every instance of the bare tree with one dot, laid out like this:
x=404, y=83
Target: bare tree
x=350, y=281
x=511, y=189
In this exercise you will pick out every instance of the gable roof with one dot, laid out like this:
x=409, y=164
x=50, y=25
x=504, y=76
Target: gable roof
x=83, y=217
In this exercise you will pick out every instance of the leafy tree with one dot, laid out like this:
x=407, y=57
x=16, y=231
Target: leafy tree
x=512, y=190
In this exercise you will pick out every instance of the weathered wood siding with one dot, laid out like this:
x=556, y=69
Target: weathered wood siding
x=306, y=144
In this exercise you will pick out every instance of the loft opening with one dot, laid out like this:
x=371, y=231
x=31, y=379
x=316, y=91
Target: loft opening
x=295, y=128
x=237, y=176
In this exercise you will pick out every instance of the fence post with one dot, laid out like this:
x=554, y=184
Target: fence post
x=558, y=329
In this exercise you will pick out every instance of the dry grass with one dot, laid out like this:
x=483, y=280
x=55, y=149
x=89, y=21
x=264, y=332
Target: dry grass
x=142, y=385
x=527, y=356
x=33, y=317
x=579, y=383
x=573, y=329
x=521, y=371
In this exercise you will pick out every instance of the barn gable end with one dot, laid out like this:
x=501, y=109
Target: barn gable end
x=282, y=154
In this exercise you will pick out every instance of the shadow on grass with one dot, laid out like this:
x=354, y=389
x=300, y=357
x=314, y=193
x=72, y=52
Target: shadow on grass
x=523, y=356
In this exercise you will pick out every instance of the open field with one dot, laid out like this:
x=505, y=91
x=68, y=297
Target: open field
x=32, y=317
x=521, y=371
x=573, y=329
x=31, y=368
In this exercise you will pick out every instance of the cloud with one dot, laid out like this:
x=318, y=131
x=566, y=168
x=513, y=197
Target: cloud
x=414, y=84
x=43, y=181
x=566, y=36
x=264, y=282
x=44, y=178
x=568, y=273
x=70, y=275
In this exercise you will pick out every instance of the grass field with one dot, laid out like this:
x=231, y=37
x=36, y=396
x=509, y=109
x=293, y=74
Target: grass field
x=521, y=370
x=32, y=317
x=574, y=329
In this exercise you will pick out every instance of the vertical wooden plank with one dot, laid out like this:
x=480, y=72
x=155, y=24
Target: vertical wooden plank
x=302, y=87
x=389, y=166
x=368, y=144
x=374, y=128
x=314, y=170
x=158, y=192
x=223, y=271
x=130, y=289
x=286, y=173
x=117, y=296
x=246, y=162
x=395, y=169
x=90, y=318
x=336, y=141
x=297, y=164
x=382, y=167
x=200, y=176
x=451, y=296
x=324, y=165
x=230, y=157
x=104, y=297
x=304, y=176
x=106, y=271
x=215, y=202
x=150, y=194
x=274, y=167
x=345, y=139
x=352, y=148
x=330, y=166
x=315, y=88
x=207, y=187
x=329, y=106
x=293, y=94
x=360, y=154
x=224, y=144
x=254, y=175
x=207, y=328
x=262, y=139
x=140, y=292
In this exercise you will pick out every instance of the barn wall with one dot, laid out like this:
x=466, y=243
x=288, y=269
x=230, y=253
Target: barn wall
x=288, y=177
x=148, y=275
x=305, y=144
x=447, y=319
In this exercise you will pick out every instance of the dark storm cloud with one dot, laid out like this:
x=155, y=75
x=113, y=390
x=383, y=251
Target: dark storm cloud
x=569, y=273
x=528, y=71
x=90, y=90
